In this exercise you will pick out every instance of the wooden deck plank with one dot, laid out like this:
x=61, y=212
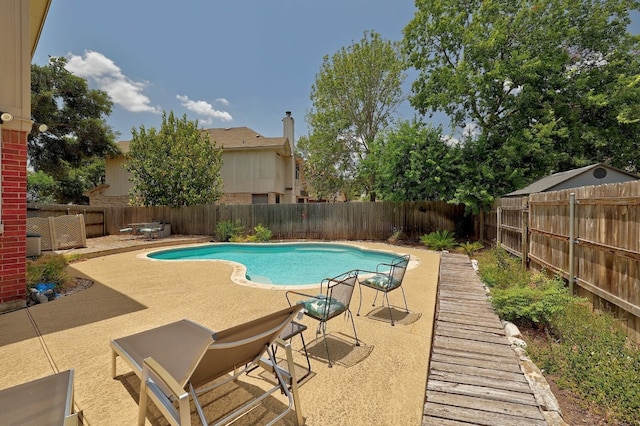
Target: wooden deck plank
x=455, y=317
x=480, y=327
x=497, y=364
x=479, y=371
x=471, y=355
x=472, y=345
x=474, y=417
x=465, y=379
x=471, y=334
x=487, y=403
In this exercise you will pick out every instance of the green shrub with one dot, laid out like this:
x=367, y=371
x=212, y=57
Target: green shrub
x=533, y=304
x=227, y=230
x=439, y=240
x=48, y=268
x=470, y=248
x=498, y=269
x=261, y=233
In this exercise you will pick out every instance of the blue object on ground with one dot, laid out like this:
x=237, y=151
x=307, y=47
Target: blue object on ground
x=41, y=287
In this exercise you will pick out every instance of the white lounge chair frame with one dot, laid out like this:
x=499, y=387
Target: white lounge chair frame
x=187, y=361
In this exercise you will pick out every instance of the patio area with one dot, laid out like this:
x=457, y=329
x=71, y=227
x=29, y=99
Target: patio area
x=382, y=382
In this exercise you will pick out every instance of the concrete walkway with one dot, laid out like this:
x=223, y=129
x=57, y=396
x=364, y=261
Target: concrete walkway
x=382, y=382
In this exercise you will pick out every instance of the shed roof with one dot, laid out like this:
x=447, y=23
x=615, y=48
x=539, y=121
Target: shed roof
x=547, y=183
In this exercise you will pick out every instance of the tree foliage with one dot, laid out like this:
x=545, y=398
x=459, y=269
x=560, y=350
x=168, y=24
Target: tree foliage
x=548, y=85
x=73, y=149
x=414, y=162
x=355, y=96
x=175, y=166
x=40, y=187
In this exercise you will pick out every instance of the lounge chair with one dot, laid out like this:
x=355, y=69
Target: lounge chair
x=179, y=359
x=334, y=299
x=387, y=278
x=45, y=401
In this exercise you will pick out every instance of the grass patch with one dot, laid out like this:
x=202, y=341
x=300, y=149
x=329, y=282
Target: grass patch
x=586, y=351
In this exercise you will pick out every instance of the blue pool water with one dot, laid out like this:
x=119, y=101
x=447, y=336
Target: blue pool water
x=284, y=264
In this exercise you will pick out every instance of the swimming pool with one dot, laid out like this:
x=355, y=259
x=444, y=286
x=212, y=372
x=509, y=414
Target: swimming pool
x=284, y=264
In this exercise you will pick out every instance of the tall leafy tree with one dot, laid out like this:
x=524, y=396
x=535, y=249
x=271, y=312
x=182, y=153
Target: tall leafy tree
x=73, y=149
x=541, y=81
x=356, y=94
x=176, y=165
x=414, y=162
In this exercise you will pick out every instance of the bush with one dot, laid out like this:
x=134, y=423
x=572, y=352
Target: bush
x=470, y=248
x=227, y=230
x=439, y=240
x=261, y=234
x=533, y=304
x=498, y=269
x=48, y=268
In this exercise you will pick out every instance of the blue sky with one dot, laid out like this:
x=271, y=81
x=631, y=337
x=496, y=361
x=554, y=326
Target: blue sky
x=224, y=63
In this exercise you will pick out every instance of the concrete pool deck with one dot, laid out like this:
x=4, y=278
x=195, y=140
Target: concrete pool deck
x=382, y=382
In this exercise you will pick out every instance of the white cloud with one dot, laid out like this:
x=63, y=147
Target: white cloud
x=450, y=140
x=470, y=131
x=205, y=109
x=108, y=77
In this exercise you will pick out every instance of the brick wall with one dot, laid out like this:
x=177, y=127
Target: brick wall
x=14, y=218
x=98, y=199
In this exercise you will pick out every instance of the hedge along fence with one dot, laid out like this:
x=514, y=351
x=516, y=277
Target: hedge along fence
x=321, y=221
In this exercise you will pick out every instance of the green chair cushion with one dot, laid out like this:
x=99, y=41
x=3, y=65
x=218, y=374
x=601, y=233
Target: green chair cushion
x=382, y=282
x=317, y=307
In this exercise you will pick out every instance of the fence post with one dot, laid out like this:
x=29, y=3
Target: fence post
x=572, y=226
x=498, y=226
x=524, y=238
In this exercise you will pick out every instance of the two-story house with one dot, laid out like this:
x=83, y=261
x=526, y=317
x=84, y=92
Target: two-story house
x=255, y=170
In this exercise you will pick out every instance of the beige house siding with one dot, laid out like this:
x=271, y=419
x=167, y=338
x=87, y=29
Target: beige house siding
x=252, y=165
x=117, y=178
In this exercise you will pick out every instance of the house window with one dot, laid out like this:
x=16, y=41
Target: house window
x=260, y=199
x=297, y=171
x=277, y=198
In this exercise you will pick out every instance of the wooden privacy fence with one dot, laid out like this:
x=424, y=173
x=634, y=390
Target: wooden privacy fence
x=589, y=235
x=325, y=221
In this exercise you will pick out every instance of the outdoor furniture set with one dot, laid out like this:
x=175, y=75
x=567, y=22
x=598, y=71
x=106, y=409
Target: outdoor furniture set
x=180, y=361
x=150, y=230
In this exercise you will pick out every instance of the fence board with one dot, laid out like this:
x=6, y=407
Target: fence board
x=334, y=221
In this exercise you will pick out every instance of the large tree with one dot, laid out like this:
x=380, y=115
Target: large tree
x=73, y=148
x=176, y=165
x=544, y=83
x=356, y=94
x=414, y=162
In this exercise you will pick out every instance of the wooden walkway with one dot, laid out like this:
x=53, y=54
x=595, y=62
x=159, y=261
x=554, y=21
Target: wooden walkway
x=474, y=375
